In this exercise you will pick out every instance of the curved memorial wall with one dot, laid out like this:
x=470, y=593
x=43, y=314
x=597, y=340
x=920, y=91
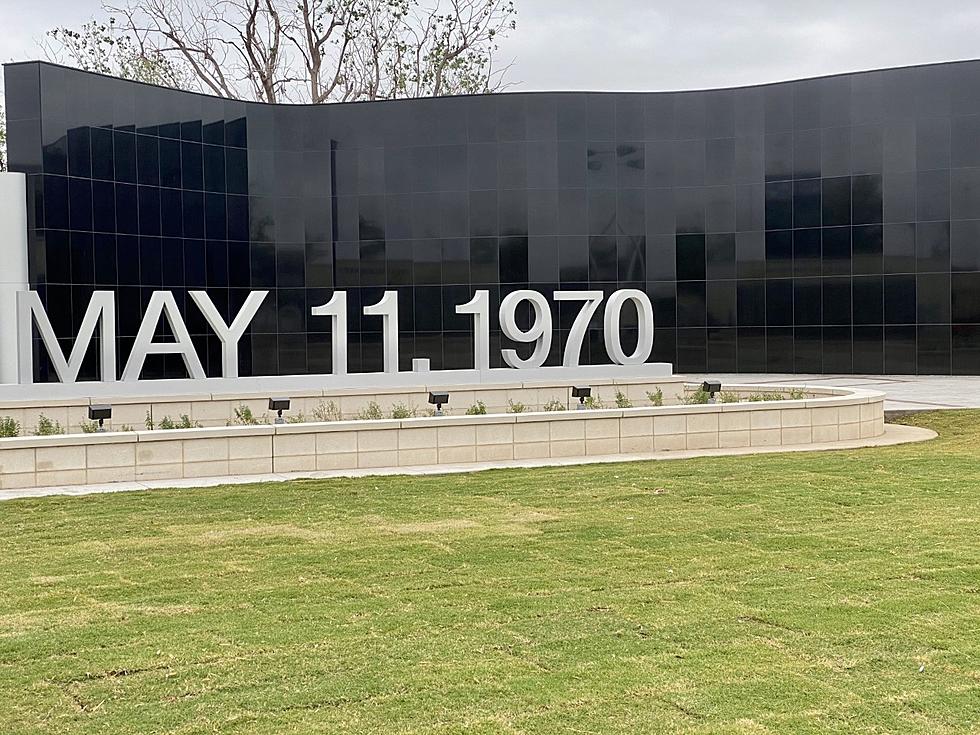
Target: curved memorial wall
x=825, y=225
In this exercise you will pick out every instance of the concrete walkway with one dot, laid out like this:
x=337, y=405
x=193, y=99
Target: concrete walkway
x=902, y=392
x=894, y=434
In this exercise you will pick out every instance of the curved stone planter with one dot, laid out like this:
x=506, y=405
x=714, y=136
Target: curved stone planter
x=831, y=415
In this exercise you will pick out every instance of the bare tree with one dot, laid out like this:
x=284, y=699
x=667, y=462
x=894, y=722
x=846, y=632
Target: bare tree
x=302, y=50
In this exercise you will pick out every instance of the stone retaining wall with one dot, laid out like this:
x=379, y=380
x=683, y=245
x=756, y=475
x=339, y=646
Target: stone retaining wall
x=219, y=409
x=834, y=415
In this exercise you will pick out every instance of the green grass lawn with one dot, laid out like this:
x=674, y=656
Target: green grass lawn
x=779, y=593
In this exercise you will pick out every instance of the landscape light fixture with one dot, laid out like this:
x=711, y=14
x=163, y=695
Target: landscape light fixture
x=581, y=392
x=711, y=387
x=279, y=405
x=437, y=399
x=100, y=412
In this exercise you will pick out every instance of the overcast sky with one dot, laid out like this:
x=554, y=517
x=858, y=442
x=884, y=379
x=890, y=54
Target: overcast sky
x=649, y=45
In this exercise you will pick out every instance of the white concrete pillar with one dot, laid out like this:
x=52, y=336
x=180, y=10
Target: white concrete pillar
x=13, y=266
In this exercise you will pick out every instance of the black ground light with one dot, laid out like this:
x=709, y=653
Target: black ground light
x=100, y=412
x=437, y=400
x=279, y=405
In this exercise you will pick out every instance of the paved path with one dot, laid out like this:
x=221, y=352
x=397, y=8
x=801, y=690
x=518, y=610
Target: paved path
x=903, y=392
x=894, y=434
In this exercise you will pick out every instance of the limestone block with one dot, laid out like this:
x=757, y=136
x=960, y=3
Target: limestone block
x=417, y=439
x=206, y=450
x=734, y=421
x=568, y=448
x=251, y=447
x=495, y=434
x=767, y=437
x=703, y=440
x=531, y=449
x=700, y=423
x=795, y=418
x=294, y=445
x=569, y=431
x=457, y=455
x=377, y=440
x=671, y=442
x=418, y=456
x=377, y=458
x=636, y=444
x=16, y=461
x=797, y=435
x=103, y=475
x=110, y=455
x=636, y=426
x=602, y=428
x=49, y=459
x=733, y=439
x=601, y=447
x=336, y=461
x=163, y=452
x=826, y=433
x=765, y=419
x=456, y=436
x=336, y=442
x=494, y=452
x=214, y=468
x=670, y=424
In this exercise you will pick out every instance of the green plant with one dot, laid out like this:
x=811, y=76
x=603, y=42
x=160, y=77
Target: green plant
x=554, y=405
x=371, y=412
x=798, y=395
x=477, y=409
x=296, y=418
x=245, y=417
x=167, y=423
x=515, y=407
x=148, y=423
x=593, y=402
x=622, y=401
x=9, y=427
x=656, y=397
x=327, y=412
x=401, y=411
x=729, y=396
x=127, y=427
x=696, y=397
x=766, y=396
x=186, y=423
x=47, y=427
x=89, y=427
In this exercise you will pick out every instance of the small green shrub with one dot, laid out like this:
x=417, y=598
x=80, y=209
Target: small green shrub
x=148, y=423
x=729, y=396
x=186, y=423
x=696, y=398
x=89, y=427
x=9, y=427
x=766, y=397
x=517, y=407
x=656, y=397
x=798, y=395
x=327, y=412
x=401, y=411
x=167, y=423
x=477, y=409
x=296, y=418
x=127, y=427
x=47, y=427
x=622, y=401
x=554, y=405
x=593, y=402
x=371, y=412
x=245, y=417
